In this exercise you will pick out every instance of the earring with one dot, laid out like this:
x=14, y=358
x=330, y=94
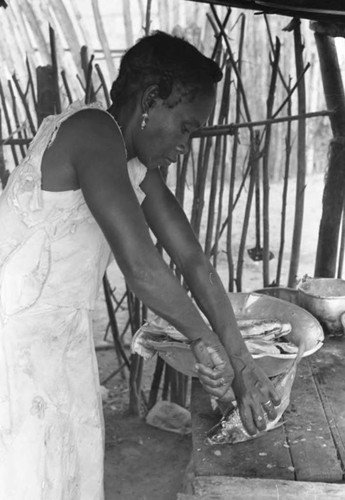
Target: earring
x=145, y=119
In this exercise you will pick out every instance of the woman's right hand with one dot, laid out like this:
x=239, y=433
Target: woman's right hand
x=255, y=394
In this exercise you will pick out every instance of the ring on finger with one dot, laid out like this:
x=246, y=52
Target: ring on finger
x=268, y=404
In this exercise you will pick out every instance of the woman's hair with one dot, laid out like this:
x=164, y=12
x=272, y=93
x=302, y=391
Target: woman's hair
x=164, y=60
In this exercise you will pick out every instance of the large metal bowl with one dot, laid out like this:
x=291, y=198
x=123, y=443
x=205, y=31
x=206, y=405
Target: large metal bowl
x=325, y=299
x=284, y=293
x=306, y=331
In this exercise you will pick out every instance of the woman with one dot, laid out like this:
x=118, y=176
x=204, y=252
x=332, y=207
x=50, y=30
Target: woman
x=71, y=202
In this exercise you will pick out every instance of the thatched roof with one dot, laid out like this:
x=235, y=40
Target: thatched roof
x=320, y=10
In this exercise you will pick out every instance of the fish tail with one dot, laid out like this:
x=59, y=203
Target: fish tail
x=299, y=355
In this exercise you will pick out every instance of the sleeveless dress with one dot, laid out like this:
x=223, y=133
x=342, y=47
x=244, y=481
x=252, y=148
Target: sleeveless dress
x=52, y=259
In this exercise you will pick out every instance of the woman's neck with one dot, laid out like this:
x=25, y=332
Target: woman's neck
x=124, y=122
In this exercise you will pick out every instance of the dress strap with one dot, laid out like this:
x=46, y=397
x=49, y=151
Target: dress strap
x=137, y=172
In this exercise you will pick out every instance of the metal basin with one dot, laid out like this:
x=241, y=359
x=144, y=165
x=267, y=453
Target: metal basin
x=284, y=293
x=325, y=299
x=306, y=331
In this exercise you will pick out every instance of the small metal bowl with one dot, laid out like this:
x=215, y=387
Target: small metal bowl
x=324, y=298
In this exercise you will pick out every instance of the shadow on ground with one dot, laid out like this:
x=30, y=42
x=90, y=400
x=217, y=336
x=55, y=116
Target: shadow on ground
x=142, y=462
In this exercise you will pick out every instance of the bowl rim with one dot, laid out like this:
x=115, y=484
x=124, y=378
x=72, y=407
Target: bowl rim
x=321, y=297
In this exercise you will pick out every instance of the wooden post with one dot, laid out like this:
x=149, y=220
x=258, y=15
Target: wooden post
x=55, y=72
x=301, y=158
x=4, y=173
x=334, y=191
x=46, y=93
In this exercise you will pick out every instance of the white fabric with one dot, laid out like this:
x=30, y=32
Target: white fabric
x=52, y=259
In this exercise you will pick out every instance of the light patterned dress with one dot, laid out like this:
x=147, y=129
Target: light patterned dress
x=52, y=259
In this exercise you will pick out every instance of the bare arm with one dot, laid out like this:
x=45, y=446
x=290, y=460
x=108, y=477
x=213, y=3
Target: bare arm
x=168, y=221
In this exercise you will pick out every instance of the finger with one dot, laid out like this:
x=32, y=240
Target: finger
x=218, y=383
x=259, y=419
x=271, y=393
x=228, y=396
x=219, y=392
x=214, y=374
x=216, y=358
x=204, y=370
x=253, y=419
x=270, y=410
x=212, y=380
x=275, y=398
x=247, y=419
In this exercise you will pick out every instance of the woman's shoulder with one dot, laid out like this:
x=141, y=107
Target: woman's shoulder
x=91, y=123
x=92, y=115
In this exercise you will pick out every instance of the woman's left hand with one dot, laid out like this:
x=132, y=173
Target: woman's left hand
x=255, y=394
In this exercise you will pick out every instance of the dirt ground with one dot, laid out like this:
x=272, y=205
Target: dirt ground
x=141, y=462
x=146, y=463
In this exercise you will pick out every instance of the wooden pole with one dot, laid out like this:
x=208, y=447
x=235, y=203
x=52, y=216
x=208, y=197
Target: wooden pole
x=253, y=164
x=55, y=73
x=301, y=158
x=147, y=17
x=103, y=39
x=25, y=103
x=288, y=147
x=334, y=191
x=231, y=128
x=229, y=242
x=46, y=89
x=16, y=118
x=265, y=165
x=8, y=124
x=4, y=173
x=217, y=159
x=103, y=85
x=86, y=63
x=341, y=249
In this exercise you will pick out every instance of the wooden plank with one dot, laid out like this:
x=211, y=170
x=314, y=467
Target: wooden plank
x=311, y=444
x=328, y=369
x=237, y=488
x=267, y=456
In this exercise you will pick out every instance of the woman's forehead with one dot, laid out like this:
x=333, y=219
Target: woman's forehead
x=197, y=111
x=194, y=97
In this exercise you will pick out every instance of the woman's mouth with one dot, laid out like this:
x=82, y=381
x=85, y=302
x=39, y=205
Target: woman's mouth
x=166, y=162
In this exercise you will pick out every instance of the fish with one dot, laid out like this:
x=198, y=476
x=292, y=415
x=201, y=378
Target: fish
x=270, y=347
x=231, y=430
x=263, y=328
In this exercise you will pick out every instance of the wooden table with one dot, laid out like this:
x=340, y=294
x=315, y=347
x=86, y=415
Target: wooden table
x=304, y=458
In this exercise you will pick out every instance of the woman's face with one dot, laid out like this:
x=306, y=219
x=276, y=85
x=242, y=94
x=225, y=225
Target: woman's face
x=169, y=126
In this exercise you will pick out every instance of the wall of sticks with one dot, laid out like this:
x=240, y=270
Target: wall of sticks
x=230, y=161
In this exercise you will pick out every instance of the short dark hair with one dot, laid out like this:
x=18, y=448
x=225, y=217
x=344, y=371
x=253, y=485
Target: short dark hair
x=164, y=60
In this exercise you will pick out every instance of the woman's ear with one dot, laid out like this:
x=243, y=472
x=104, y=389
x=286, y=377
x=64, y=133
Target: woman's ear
x=149, y=98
